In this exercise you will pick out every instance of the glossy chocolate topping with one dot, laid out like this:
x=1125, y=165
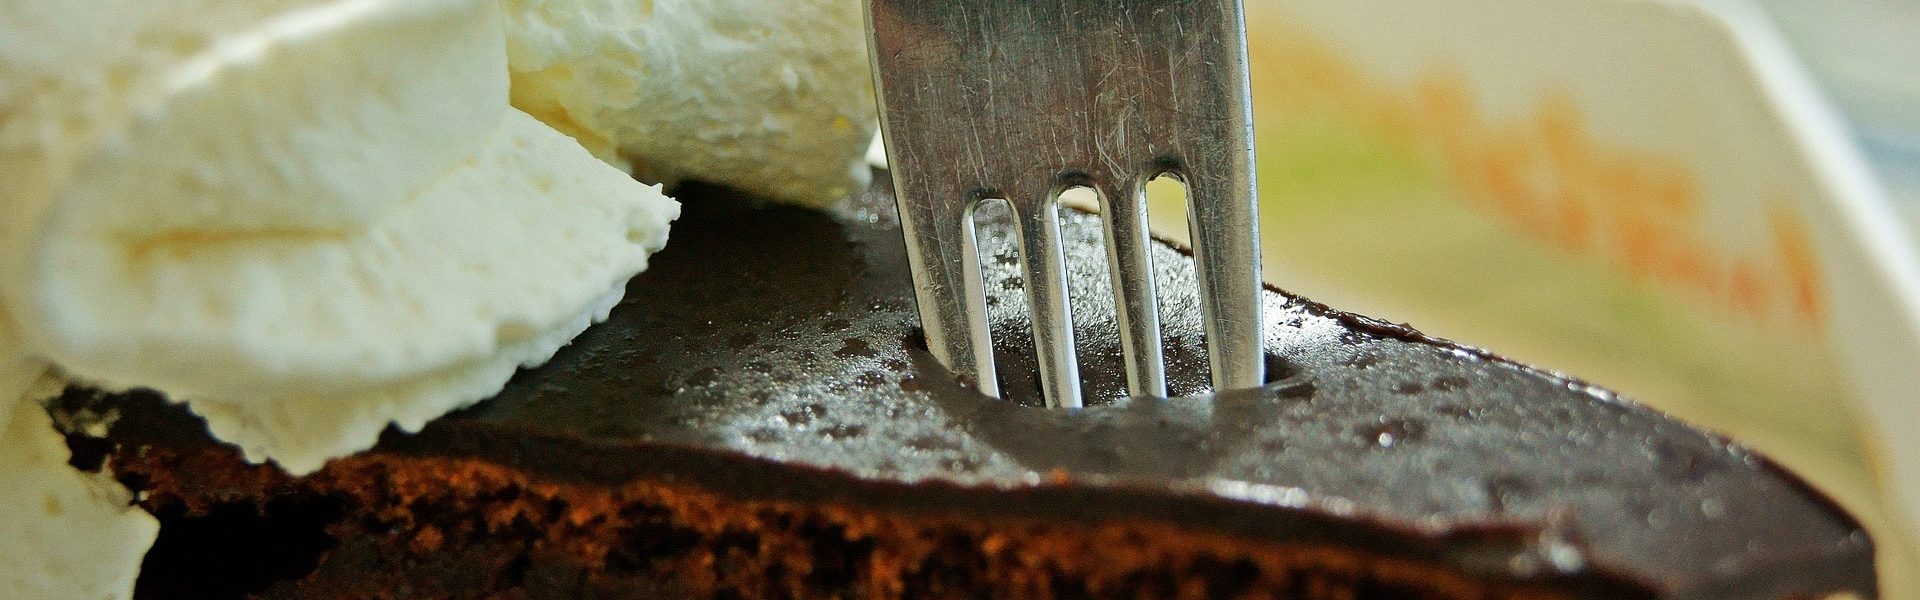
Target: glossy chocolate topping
x=770, y=352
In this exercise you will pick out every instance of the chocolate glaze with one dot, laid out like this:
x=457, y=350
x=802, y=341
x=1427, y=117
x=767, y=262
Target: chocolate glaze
x=769, y=352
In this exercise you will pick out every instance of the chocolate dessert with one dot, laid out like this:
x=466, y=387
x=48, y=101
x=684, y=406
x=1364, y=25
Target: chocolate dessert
x=759, y=420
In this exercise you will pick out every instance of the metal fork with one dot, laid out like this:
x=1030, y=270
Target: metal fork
x=1023, y=99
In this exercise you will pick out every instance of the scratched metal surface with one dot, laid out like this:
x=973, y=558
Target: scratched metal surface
x=1019, y=100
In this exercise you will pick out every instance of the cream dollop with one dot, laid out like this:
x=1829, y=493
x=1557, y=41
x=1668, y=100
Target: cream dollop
x=19, y=370
x=69, y=535
x=544, y=239
x=323, y=204
x=773, y=98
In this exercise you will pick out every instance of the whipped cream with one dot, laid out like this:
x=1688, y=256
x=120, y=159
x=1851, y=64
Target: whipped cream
x=513, y=254
x=67, y=534
x=308, y=219
x=280, y=210
x=772, y=98
x=18, y=372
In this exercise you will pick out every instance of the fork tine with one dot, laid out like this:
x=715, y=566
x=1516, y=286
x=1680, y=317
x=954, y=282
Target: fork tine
x=1210, y=101
x=1220, y=219
x=944, y=253
x=1043, y=259
x=1134, y=297
x=979, y=339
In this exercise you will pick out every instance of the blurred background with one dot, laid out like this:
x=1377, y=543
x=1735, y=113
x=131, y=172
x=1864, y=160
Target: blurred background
x=1866, y=56
x=1607, y=189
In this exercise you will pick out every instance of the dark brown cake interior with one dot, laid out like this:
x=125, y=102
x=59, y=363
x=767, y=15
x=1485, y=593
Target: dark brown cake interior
x=756, y=420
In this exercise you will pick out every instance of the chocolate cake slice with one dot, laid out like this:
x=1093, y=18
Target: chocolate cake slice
x=758, y=420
